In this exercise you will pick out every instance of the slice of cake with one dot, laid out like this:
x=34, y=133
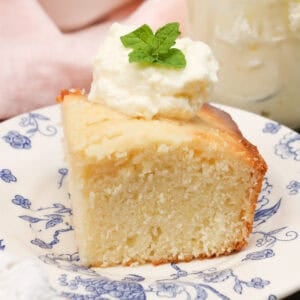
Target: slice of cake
x=155, y=175
x=158, y=190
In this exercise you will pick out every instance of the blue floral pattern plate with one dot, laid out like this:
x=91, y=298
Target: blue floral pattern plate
x=36, y=221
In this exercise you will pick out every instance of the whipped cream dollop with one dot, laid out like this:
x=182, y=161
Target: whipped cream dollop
x=149, y=91
x=23, y=279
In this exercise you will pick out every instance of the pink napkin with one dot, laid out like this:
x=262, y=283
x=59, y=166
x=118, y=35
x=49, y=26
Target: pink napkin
x=40, y=55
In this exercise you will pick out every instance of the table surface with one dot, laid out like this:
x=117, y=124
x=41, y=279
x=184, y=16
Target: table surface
x=295, y=296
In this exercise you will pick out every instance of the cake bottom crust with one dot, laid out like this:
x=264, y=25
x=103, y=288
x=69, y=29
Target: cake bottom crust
x=236, y=247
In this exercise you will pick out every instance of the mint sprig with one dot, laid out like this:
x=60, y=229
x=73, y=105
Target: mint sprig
x=155, y=49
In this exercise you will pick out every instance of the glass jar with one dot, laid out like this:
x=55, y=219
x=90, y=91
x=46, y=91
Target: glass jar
x=257, y=44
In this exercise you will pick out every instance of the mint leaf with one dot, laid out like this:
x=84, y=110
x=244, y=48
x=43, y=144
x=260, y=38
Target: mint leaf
x=140, y=55
x=139, y=38
x=155, y=49
x=167, y=36
x=173, y=58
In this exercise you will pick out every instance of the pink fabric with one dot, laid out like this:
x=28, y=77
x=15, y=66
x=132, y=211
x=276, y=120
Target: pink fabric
x=81, y=13
x=38, y=60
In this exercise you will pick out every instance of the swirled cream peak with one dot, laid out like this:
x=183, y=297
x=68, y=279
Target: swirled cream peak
x=149, y=91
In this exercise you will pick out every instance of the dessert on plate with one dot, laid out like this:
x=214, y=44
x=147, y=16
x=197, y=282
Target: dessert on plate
x=155, y=174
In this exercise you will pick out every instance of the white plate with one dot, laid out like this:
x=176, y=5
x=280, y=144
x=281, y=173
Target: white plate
x=35, y=220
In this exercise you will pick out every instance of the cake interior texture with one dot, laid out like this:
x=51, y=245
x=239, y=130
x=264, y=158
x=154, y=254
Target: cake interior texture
x=158, y=191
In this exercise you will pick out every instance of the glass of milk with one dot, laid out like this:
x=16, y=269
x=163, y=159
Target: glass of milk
x=257, y=44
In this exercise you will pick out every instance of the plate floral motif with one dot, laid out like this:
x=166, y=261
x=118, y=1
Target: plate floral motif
x=34, y=196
